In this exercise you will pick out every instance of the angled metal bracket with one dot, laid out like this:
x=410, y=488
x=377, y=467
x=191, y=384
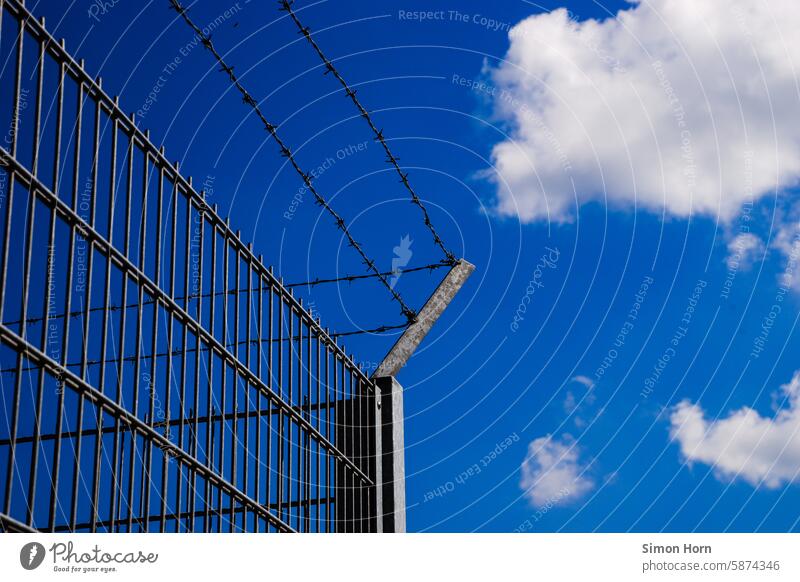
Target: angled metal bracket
x=409, y=341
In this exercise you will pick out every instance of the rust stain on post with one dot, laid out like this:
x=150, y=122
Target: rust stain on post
x=408, y=343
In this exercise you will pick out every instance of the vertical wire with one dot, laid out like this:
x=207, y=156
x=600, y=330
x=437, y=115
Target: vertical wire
x=280, y=387
x=170, y=280
x=248, y=349
x=275, y=388
x=196, y=441
x=190, y=482
x=300, y=433
x=10, y=199
x=235, y=387
x=45, y=308
x=259, y=396
x=104, y=332
x=157, y=278
x=64, y=345
x=18, y=386
x=223, y=383
x=211, y=424
x=290, y=365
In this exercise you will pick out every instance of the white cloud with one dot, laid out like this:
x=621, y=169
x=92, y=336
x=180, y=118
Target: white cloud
x=760, y=450
x=585, y=380
x=552, y=470
x=787, y=242
x=575, y=405
x=677, y=105
x=569, y=402
x=743, y=250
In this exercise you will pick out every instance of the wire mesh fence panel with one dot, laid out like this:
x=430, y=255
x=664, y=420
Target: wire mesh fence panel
x=154, y=374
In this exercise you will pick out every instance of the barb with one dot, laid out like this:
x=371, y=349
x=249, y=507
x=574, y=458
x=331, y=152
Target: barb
x=350, y=278
x=391, y=159
x=205, y=40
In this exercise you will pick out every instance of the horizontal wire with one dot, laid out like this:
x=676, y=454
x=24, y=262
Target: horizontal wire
x=181, y=351
x=381, y=329
x=391, y=159
x=195, y=296
x=349, y=278
x=205, y=40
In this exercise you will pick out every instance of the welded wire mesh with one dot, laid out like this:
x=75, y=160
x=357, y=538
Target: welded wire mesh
x=154, y=374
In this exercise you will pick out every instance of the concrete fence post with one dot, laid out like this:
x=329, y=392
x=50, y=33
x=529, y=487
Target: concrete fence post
x=391, y=473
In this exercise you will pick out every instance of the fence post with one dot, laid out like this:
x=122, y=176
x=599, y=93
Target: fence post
x=391, y=475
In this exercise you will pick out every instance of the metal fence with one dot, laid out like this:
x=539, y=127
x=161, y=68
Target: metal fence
x=154, y=374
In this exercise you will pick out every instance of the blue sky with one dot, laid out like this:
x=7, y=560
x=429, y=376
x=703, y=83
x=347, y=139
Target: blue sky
x=636, y=320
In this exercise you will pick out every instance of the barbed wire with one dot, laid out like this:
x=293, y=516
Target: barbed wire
x=391, y=159
x=181, y=351
x=195, y=296
x=248, y=99
x=381, y=329
x=348, y=278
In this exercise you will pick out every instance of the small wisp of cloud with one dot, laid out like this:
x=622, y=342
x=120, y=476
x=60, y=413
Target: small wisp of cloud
x=551, y=467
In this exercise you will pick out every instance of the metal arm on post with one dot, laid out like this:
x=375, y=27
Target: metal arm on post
x=391, y=473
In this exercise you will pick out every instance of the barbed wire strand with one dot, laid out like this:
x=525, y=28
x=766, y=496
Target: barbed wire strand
x=195, y=296
x=180, y=351
x=391, y=159
x=381, y=329
x=350, y=278
x=205, y=40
